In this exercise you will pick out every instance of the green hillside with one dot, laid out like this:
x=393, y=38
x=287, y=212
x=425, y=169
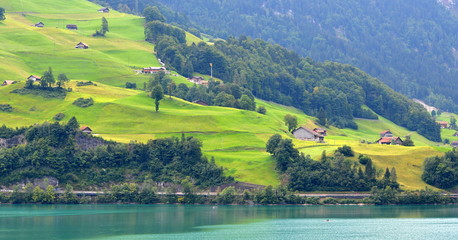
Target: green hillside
x=236, y=138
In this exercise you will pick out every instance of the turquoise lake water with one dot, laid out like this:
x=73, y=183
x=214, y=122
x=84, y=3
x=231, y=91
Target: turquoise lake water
x=140, y=222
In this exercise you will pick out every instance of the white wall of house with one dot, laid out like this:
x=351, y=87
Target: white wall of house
x=303, y=134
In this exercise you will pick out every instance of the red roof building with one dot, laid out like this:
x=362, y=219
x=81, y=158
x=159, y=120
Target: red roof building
x=390, y=141
x=443, y=124
x=386, y=133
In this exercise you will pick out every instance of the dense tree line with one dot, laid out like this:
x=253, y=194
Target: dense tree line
x=337, y=91
x=411, y=46
x=442, y=172
x=63, y=152
x=331, y=173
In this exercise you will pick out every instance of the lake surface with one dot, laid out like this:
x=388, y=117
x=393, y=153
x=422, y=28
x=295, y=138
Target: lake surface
x=106, y=222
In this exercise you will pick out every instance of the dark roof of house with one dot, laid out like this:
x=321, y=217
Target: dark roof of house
x=72, y=25
x=104, y=9
x=455, y=134
x=81, y=43
x=387, y=131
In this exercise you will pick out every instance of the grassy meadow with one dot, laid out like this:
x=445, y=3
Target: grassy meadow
x=235, y=138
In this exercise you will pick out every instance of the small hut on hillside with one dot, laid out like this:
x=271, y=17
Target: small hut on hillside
x=104, y=10
x=86, y=129
x=82, y=45
x=72, y=27
x=34, y=78
x=8, y=82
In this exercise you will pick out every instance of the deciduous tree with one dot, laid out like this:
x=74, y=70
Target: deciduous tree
x=158, y=95
x=290, y=122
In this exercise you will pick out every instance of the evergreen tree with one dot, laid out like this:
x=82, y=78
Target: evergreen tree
x=2, y=14
x=393, y=175
x=104, y=28
x=370, y=170
x=48, y=78
x=387, y=174
x=72, y=125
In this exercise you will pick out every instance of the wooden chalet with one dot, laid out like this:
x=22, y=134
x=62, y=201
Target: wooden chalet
x=443, y=124
x=200, y=102
x=153, y=69
x=454, y=144
x=82, y=45
x=34, y=78
x=104, y=10
x=86, y=129
x=8, y=82
x=390, y=141
x=320, y=131
x=40, y=24
x=306, y=134
x=72, y=27
x=386, y=133
x=455, y=134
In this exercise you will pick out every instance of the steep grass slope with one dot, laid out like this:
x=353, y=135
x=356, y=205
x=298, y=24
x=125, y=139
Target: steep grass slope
x=236, y=138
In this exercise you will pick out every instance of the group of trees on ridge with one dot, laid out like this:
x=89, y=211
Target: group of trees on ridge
x=331, y=173
x=215, y=94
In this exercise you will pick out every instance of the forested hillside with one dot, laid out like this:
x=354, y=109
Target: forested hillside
x=335, y=93
x=410, y=45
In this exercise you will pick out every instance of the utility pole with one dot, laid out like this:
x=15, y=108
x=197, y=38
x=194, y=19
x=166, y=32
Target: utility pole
x=211, y=70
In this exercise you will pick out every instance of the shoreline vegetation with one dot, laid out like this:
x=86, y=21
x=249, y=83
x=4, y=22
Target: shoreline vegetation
x=131, y=193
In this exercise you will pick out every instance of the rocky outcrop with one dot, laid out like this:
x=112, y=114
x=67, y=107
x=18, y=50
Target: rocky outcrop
x=12, y=142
